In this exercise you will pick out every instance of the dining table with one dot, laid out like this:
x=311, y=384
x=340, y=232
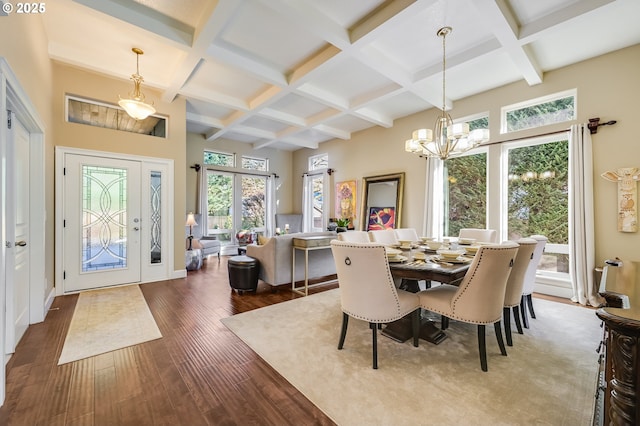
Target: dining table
x=428, y=269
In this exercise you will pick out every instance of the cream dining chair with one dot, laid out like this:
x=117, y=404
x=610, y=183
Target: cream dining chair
x=367, y=290
x=407, y=234
x=480, y=235
x=530, y=280
x=354, y=236
x=513, y=294
x=384, y=236
x=479, y=297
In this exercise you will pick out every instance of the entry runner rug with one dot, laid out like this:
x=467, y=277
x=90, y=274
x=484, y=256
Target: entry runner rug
x=548, y=377
x=107, y=320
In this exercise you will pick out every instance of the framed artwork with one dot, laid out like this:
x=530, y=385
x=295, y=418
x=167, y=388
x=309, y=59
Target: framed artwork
x=381, y=218
x=345, y=203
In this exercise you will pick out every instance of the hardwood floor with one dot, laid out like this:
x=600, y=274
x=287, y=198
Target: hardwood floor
x=199, y=373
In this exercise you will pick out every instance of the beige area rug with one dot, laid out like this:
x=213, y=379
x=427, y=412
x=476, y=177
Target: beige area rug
x=548, y=378
x=107, y=320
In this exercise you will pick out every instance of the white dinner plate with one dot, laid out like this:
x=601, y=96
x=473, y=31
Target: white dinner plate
x=458, y=260
x=397, y=259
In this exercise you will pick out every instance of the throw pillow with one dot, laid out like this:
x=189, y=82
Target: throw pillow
x=262, y=240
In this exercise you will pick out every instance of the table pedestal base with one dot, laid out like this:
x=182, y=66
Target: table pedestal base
x=401, y=331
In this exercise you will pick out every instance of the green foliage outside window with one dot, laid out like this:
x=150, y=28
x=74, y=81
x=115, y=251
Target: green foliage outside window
x=466, y=187
x=556, y=111
x=538, y=191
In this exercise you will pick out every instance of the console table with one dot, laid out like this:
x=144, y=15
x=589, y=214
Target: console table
x=307, y=244
x=619, y=383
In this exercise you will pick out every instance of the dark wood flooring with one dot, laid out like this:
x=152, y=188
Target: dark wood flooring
x=199, y=373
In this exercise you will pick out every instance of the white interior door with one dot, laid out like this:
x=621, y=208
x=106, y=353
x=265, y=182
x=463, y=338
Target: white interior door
x=102, y=222
x=18, y=268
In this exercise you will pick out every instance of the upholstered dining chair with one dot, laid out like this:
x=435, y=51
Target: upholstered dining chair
x=530, y=280
x=354, y=236
x=479, y=297
x=513, y=294
x=384, y=236
x=480, y=235
x=367, y=290
x=407, y=234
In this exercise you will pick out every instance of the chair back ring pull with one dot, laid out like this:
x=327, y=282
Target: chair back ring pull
x=347, y=261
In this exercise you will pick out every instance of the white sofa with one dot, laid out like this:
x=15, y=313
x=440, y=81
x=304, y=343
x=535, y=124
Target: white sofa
x=275, y=258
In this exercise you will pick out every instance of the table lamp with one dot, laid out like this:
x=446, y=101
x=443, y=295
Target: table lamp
x=191, y=222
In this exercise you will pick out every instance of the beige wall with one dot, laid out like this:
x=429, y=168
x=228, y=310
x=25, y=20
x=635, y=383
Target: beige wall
x=68, y=80
x=608, y=87
x=279, y=163
x=24, y=46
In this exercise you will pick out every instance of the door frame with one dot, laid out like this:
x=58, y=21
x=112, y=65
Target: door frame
x=150, y=272
x=14, y=97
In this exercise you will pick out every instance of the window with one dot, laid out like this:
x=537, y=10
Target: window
x=318, y=162
x=528, y=194
x=236, y=200
x=315, y=212
x=556, y=108
x=465, y=186
x=252, y=163
x=101, y=114
x=465, y=193
x=536, y=198
x=219, y=159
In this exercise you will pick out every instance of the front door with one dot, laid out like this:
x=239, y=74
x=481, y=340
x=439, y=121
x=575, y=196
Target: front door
x=101, y=222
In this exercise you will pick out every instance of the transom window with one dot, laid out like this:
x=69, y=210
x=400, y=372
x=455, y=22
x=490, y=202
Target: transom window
x=556, y=108
x=318, y=162
x=216, y=158
x=253, y=163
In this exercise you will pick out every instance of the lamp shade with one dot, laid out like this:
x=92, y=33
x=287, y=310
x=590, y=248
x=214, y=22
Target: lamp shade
x=191, y=220
x=136, y=109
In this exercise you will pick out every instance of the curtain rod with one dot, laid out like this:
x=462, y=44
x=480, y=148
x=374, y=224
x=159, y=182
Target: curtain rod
x=593, y=125
x=197, y=168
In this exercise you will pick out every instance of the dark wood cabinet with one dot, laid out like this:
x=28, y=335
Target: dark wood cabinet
x=620, y=382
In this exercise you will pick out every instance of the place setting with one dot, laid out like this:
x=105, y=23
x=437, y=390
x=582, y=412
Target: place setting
x=395, y=255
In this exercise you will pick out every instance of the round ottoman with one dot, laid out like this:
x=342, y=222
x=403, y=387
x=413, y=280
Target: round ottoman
x=243, y=273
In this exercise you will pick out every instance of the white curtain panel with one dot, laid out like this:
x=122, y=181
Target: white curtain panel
x=307, y=197
x=271, y=205
x=433, y=200
x=201, y=201
x=581, y=225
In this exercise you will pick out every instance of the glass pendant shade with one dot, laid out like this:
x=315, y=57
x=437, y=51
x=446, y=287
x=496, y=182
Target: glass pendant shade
x=135, y=105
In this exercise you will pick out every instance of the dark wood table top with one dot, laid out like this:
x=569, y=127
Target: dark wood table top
x=425, y=270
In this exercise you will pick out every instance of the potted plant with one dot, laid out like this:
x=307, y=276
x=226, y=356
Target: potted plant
x=342, y=223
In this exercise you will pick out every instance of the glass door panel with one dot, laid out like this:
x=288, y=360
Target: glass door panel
x=253, y=204
x=220, y=206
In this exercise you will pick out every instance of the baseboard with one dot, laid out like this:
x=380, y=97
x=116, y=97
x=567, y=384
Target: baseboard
x=553, y=290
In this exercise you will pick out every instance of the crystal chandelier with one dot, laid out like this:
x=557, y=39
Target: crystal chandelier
x=450, y=139
x=135, y=106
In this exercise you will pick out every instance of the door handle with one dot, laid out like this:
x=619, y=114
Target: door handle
x=135, y=228
x=21, y=243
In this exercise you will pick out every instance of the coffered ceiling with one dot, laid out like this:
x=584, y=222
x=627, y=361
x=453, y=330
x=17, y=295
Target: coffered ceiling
x=288, y=74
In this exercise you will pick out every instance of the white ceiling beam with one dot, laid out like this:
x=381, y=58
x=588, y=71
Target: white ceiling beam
x=311, y=19
x=536, y=29
x=498, y=16
x=283, y=117
x=144, y=17
x=206, y=95
x=374, y=117
x=202, y=119
x=334, y=132
x=214, y=17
